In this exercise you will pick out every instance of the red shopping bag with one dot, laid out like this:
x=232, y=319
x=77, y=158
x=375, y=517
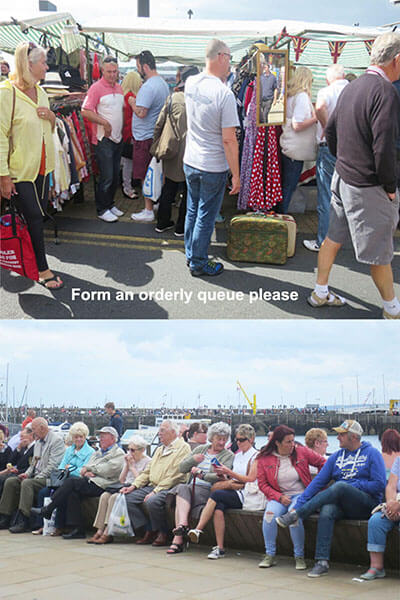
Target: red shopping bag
x=16, y=251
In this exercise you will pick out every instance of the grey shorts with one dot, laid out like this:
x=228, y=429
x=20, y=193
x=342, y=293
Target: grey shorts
x=365, y=215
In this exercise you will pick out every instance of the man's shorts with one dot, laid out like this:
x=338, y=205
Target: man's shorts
x=141, y=158
x=367, y=216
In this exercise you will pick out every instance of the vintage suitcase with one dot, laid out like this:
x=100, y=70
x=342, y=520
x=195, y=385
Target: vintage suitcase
x=292, y=231
x=260, y=238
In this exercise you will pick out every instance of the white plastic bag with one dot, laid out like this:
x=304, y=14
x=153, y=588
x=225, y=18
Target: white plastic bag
x=253, y=498
x=153, y=182
x=119, y=522
x=49, y=525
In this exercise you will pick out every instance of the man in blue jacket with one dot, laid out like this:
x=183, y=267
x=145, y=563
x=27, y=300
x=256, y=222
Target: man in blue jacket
x=116, y=419
x=359, y=474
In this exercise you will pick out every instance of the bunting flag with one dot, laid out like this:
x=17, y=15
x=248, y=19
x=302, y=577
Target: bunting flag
x=336, y=49
x=299, y=45
x=368, y=45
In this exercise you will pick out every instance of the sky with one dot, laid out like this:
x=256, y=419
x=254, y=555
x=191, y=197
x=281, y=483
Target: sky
x=345, y=12
x=148, y=363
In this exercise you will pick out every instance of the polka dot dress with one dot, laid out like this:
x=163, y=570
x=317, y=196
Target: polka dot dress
x=265, y=191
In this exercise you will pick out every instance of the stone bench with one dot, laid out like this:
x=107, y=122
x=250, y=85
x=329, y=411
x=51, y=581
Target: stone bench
x=244, y=532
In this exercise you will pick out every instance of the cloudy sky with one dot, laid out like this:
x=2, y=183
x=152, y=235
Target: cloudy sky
x=147, y=363
x=365, y=12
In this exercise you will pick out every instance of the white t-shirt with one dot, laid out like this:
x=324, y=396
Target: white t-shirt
x=210, y=107
x=240, y=462
x=329, y=96
x=299, y=108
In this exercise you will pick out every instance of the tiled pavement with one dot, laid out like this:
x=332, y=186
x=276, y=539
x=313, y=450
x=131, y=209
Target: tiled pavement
x=44, y=568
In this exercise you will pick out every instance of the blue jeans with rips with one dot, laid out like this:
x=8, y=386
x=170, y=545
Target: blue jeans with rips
x=270, y=527
x=325, y=167
x=205, y=192
x=378, y=528
x=339, y=501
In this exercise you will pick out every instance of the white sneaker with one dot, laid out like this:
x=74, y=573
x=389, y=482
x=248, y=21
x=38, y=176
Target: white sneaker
x=115, y=211
x=311, y=245
x=144, y=216
x=216, y=553
x=108, y=217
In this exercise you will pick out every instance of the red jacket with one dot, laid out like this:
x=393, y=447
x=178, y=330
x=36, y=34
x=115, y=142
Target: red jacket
x=268, y=466
x=127, y=127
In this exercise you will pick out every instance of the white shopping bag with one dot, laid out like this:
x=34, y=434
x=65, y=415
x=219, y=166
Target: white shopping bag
x=49, y=525
x=119, y=522
x=153, y=182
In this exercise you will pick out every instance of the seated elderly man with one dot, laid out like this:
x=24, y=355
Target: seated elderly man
x=153, y=484
x=19, y=492
x=101, y=471
x=20, y=459
x=359, y=474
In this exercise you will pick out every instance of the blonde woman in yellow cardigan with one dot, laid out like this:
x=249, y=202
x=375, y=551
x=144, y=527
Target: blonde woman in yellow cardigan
x=26, y=148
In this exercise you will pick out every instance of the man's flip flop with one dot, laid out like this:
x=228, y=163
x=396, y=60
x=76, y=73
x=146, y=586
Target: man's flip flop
x=44, y=283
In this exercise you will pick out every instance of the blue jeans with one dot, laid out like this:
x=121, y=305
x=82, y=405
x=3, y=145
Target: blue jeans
x=205, y=192
x=378, y=528
x=270, y=527
x=339, y=501
x=325, y=168
x=108, y=158
x=291, y=171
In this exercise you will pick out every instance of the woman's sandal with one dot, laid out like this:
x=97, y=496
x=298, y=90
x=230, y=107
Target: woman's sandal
x=181, y=530
x=94, y=538
x=55, y=278
x=175, y=549
x=104, y=539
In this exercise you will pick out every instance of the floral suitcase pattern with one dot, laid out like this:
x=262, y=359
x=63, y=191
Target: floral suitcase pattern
x=292, y=231
x=258, y=238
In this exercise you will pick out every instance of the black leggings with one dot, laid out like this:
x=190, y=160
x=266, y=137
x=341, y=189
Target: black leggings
x=31, y=201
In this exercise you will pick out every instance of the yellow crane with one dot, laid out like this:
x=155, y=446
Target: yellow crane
x=252, y=404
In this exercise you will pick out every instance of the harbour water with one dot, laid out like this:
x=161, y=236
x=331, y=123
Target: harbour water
x=332, y=439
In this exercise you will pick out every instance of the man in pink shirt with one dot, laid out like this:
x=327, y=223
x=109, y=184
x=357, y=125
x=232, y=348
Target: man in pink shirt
x=103, y=106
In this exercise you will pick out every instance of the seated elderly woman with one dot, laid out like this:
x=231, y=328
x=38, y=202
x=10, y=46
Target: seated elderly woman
x=381, y=522
x=229, y=494
x=135, y=461
x=283, y=473
x=191, y=497
x=316, y=439
x=75, y=457
x=101, y=471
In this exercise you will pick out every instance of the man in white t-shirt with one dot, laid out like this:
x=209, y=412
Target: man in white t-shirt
x=103, y=107
x=211, y=149
x=326, y=103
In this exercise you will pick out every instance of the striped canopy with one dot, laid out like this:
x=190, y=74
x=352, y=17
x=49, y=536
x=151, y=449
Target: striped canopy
x=184, y=41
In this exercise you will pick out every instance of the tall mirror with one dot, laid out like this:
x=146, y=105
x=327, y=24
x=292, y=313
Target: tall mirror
x=272, y=69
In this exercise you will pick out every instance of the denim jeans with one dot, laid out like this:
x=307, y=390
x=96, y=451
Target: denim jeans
x=324, y=170
x=205, y=192
x=270, y=527
x=339, y=501
x=291, y=171
x=108, y=158
x=378, y=528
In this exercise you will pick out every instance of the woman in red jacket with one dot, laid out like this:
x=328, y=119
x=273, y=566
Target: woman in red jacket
x=283, y=473
x=130, y=86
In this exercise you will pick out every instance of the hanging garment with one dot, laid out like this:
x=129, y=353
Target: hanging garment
x=265, y=188
x=247, y=155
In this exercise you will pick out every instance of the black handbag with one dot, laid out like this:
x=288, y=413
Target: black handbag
x=58, y=476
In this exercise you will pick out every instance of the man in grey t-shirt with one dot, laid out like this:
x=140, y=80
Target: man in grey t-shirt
x=211, y=149
x=146, y=108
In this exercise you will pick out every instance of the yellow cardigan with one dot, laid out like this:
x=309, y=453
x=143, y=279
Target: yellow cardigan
x=27, y=134
x=162, y=471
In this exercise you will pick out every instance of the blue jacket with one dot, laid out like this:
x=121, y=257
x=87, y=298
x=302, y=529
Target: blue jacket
x=77, y=460
x=367, y=473
x=117, y=422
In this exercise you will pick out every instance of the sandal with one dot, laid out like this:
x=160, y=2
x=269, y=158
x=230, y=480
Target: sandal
x=104, y=539
x=175, y=549
x=44, y=283
x=94, y=538
x=181, y=530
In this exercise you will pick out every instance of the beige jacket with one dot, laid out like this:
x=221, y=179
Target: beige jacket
x=106, y=467
x=163, y=471
x=47, y=456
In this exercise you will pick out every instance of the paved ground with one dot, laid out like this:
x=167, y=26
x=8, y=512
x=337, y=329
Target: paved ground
x=126, y=270
x=43, y=568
